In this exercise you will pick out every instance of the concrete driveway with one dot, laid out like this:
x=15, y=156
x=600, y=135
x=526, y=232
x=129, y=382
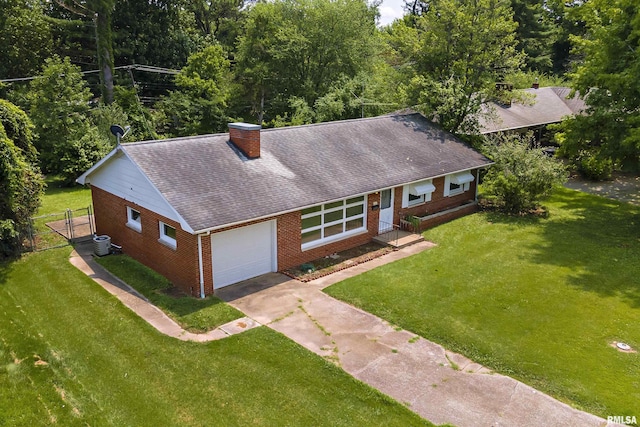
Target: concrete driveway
x=440, y=386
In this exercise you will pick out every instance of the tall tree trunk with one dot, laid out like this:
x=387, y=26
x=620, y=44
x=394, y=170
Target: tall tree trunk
x=103, y=10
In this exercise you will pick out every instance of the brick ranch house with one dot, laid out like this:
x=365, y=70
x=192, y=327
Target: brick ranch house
x=209, y=211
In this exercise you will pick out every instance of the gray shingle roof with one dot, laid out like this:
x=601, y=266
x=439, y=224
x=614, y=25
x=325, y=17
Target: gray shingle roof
x=209, y=184
x=551, y=105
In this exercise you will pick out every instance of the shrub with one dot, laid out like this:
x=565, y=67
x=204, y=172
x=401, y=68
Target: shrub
x=522, y=176
x=593, y=166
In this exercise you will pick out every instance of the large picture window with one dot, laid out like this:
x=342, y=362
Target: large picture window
x=332, y=221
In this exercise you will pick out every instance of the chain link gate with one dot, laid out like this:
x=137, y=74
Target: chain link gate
x=59, y=229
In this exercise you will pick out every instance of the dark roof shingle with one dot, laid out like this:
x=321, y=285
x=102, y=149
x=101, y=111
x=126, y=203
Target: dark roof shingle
x=551, y=105
x=210, y=185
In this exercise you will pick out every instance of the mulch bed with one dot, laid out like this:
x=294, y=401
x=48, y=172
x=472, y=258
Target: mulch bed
x=335, y=262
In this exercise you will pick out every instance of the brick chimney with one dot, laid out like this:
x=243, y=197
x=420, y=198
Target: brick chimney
x=246, y=137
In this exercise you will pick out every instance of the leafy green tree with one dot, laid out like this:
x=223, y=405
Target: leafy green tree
x=199, y=104
x=25, y=38
x=157, y=33
x=300, y=48
x=21, y=183
x=99, y=12
x=536, y=33
x=19, y=129
x=221, y=19
x=59, y=102
x=452, y=55
x=608, y=80
x=522, y=176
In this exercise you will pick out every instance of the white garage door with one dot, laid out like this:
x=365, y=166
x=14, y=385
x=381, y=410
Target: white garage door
x=243, y=253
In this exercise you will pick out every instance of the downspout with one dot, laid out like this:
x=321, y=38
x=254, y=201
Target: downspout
x=200, y=266
x=477, y=183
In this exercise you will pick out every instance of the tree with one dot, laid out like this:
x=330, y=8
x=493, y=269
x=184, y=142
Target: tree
x=608, y=79
x=453, y=54
x=59, y=101
x=199, y=105
x=21, y=183
x=99, y=11
x=535, y=33
x=218, y=18
x=521, y=176
x=25, y=38
x=300, y=48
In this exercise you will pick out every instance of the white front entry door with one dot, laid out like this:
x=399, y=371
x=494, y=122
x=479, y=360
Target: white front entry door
x=385, y=223
x=243, y=253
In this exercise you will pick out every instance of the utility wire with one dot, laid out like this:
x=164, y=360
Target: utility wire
x=138, y=67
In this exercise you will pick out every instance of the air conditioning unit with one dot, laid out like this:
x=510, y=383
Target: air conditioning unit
x=101, y=245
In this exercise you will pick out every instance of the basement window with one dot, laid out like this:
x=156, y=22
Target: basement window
x=133, y=219
x=168, y=235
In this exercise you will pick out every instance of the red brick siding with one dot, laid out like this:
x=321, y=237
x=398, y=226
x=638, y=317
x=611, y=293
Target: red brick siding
x=290, y=253
x=179, y=265
x=437, y=204
x=246, y=140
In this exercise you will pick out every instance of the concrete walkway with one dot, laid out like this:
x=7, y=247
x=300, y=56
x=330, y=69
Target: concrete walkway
x=82, y=259
x=440, y=386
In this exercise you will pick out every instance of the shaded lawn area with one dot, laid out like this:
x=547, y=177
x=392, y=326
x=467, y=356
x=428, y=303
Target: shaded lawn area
x=193, y=314
x=71, y=354
x=538, y=299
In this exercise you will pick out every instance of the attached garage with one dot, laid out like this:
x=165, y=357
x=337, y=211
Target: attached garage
x=243, y=253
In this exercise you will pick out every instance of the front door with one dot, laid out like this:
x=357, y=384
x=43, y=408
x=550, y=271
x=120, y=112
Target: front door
x=386, y=211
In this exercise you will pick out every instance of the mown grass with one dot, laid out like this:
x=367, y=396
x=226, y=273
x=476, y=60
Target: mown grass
x=193, y=314
x=540, y=299
x=71, y=354
x=58, y=198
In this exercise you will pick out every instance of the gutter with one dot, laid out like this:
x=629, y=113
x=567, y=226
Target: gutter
x=271, y=215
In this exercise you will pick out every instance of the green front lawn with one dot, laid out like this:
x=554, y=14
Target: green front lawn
x=72, y=354
x=538, y=299
x=193, y=314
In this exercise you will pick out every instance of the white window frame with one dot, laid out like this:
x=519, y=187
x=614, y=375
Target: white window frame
x=461, y=189
x=322, y=226
x=132, y=222
x=164, y=238
x=410, y=189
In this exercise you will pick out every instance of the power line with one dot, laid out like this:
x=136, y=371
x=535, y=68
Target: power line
x=137, y=67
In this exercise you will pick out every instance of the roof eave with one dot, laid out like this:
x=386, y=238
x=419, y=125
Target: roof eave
x=235, y=223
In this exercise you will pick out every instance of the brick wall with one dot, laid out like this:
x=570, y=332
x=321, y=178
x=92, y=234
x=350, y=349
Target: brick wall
x=437, y=204
x=290, y=253
x=179, y=265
